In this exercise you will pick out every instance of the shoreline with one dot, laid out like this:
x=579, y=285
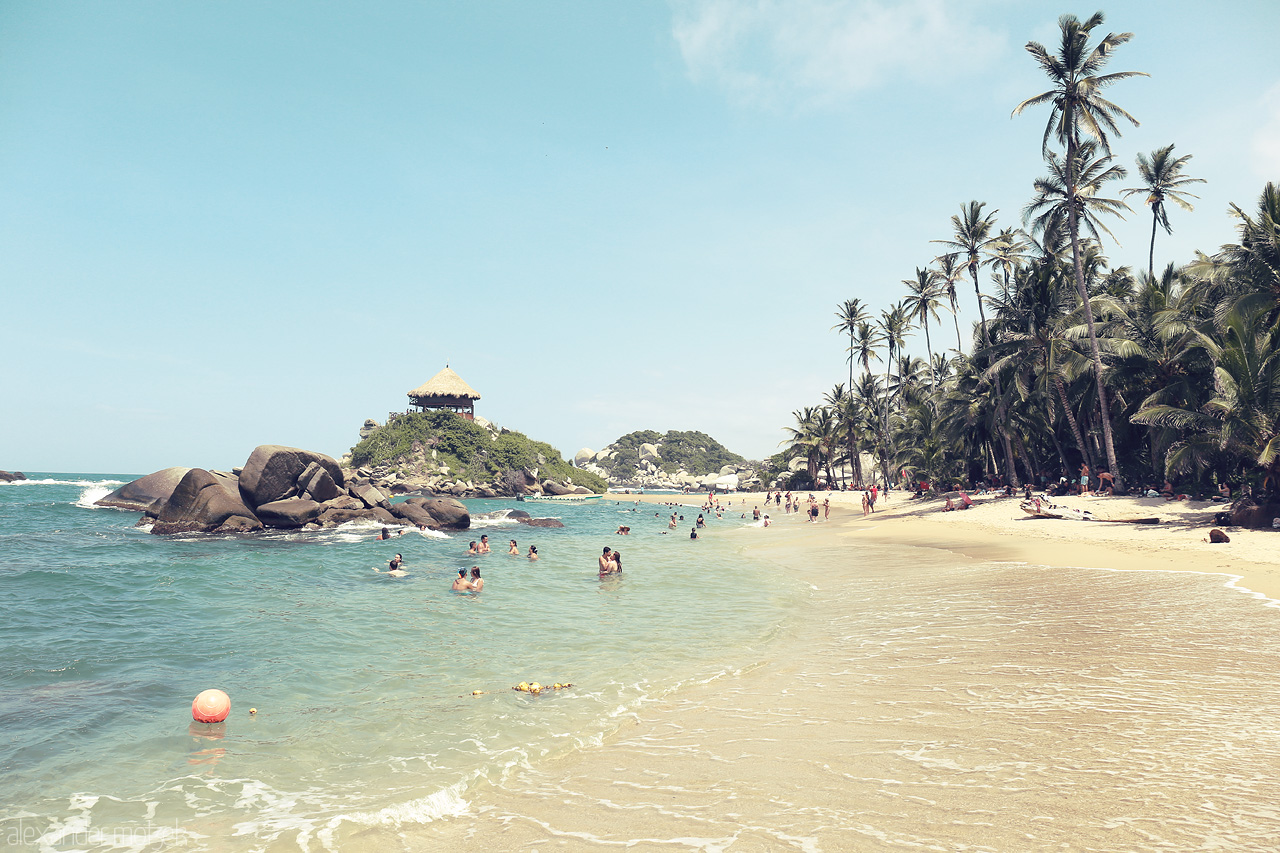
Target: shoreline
x=996, y=529
x=748, y=759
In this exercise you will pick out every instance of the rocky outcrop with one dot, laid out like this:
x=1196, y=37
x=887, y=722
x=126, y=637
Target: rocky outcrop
x=550, y=487
x=200, y=503
x=274, y=472
x=11, y=476
x=142, y=493
x=306, y=489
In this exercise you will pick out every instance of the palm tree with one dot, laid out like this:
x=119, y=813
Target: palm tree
x=1052, y=206
x=1162, y=178
x=972, y=238
x=868, y=344
x=924, y=295
x=949, y=272
x=1078, y=108
x=850, y=314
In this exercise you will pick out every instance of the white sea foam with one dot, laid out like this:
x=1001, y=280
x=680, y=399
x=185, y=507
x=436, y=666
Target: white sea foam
x=51, y=482
x=90, y=494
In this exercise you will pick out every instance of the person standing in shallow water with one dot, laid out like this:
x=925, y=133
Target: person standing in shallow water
x=477, y=582
x=460, y=582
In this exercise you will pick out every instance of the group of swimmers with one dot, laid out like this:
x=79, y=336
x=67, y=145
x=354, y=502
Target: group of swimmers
x=482, y=547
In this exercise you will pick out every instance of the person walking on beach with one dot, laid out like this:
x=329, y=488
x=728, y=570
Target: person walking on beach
x=826, y=509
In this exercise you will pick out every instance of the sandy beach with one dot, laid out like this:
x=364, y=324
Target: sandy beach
x=899, y=718
x=994, y=528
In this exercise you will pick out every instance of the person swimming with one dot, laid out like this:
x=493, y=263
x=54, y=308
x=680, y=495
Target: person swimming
x=693, y=532
x=533, y=552
x=477, y=582
x=484, y=544
x=514, y=550
x=393, y=568
x=473, y=550
x=385, y=534
x=460, y=582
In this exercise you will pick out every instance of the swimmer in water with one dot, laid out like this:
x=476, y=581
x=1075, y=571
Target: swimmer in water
x=693, y=533
x=514, y=550
x=473, y=550
x=385, y=534
x=604, y=560
x=461, y=582
x=484, y=544
x=477, y=582
x=393, y=568
x=533, y=552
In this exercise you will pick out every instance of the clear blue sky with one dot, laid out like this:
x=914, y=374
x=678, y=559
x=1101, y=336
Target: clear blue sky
x=223, y=225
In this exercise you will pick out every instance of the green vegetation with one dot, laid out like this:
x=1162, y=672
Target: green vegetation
x=1073, y=361
x=467, y=449
x=695, y=452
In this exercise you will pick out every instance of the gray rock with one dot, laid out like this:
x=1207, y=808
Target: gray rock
x=649, y=453
x=143, y=492
x=272, y=471
x=370, y=496
x=415, y=514
x=199, y=503
x=448, y=513
x=583, y=456
x=317, y=484
x=369, y=426
x=542, y=522
x=582, y=490
x=289, y=513
x=551, y=487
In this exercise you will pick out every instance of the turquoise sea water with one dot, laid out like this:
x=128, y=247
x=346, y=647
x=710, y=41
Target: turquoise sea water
x=363, y=683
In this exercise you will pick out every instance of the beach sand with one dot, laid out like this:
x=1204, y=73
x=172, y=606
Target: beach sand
x=864, y=734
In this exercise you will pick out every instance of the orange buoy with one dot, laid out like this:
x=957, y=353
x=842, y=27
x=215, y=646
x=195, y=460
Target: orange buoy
x=211, y=706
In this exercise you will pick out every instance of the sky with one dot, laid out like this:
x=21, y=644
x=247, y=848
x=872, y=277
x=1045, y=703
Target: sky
x=225, y=225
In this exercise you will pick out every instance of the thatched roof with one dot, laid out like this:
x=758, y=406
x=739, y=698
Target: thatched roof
x=446, y=383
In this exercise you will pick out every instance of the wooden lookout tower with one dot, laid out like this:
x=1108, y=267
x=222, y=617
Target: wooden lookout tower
x=445, y=390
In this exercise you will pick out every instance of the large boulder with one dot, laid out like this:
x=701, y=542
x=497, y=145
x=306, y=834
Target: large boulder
x=272, y=472
x=649, y=453
x=12, y=476
x=370, y=496
x=415, y=514
x=583, y=456
x=582, y=490
x=317, y=484
x=289, y=513
x=143, y=492
x=542, y=522
x=449, y=514
x=368, y=429
x=200, y=503
x=551, y=487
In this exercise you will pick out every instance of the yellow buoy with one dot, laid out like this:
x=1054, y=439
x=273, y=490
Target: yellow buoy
x=253, y=710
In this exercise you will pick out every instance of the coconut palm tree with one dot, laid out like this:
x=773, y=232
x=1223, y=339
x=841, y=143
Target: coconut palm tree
x=972, y=237
x=1078, y=109
x=1162, y=179
x=1055, y=202
x=949, y=272
x=867, y=345
x=850, y=314
x=924, y=295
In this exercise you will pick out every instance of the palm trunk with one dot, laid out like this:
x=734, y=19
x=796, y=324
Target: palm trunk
x=933, y=380
x=955, y=318
x=1088, y=312
x=1151, y=256
x=1011, y=473
x=1071, y=419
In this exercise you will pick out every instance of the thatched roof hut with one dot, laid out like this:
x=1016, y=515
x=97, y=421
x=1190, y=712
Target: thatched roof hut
x=445, y=390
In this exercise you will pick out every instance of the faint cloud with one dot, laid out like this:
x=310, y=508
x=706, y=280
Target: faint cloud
x=1266, y=140
x=813, y=52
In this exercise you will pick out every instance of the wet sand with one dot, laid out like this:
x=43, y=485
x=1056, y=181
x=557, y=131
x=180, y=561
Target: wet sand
x=959, y=683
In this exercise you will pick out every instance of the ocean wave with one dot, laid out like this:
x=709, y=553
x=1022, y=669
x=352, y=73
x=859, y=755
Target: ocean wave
x=91, y=494
x=51, y=482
